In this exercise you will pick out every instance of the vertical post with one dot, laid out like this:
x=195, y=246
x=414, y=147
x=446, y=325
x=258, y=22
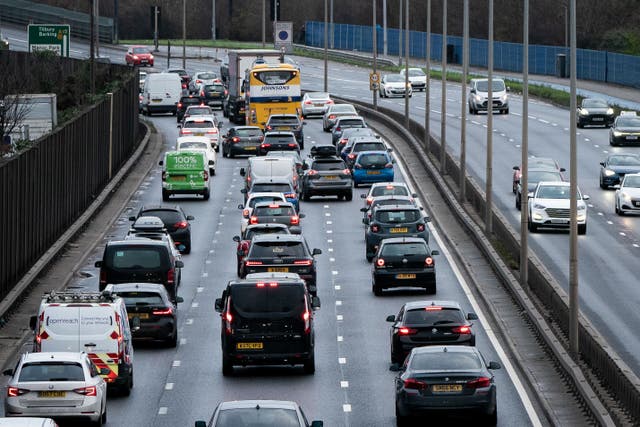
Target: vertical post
x=92, y=55
x=427, y=93
x=384, y=27
x=110, y=95
x=489, y=166
x=400, y=35
x=375, y=52
x=573, y=167
x=524, y=176
x=326, y=53
x=184, y=33
x=275, y=18
x=116, y=8
x=331, y=26
x=155, y=28
x=97, y=21
x=168, y=53
x=463, y=104
x=213, y=20
x=264, y=18
x=406, y=65
x=443, y=108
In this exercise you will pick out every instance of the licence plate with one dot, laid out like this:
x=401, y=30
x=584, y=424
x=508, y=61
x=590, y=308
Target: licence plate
x=318, y=105
x=373, y=172
x=278, y=269
x=50, y=393
x=283, y=127
x=140, y=315
x=331, y=177
x=636, y=204
x=214, y=94
x=405, y=276
x=399, y=230
x=632, y=137
x=156, y=100
x=598, y=119
x=198, y=133
x=250, y=148
x=179, y=178
x=446, y=388
x=560, y=221
x=249, y=346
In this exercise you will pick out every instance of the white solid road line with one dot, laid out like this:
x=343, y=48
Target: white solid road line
x=524, y=397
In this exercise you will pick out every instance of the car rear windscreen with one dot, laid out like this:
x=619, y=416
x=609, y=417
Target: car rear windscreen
x=279, y=299
x=343, y=108
x=368, y=160
x=279, y=139
x=269, y=230
x=248, y=132
x=198, y=125
x=258, y=417
x=277, y=250
x=368, y=146
x=404, y=249
x=135, y=258
x=389, y=190
x=190, y=101
x=214, y=88
x=271, y=188
x=284, y=121
x=166, y=216
x=398, y=216
x=194, y=145
x=338, y=165
x=133, y=298
x=51, y=371
x=199, y=111
x=255, y=200
x=445, y=316
x=351, y=123
x=273, y=211
x=451, y=361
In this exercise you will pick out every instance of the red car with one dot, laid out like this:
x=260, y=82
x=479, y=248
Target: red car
x=252, y=230
x=138, y=55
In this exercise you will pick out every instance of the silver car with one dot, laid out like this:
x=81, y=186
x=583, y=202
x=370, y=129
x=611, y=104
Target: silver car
x=56, y=384
x=203, y=77
x=315, y=103
x=333, y=112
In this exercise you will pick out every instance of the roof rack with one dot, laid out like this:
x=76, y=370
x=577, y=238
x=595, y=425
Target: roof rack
x=74, y=296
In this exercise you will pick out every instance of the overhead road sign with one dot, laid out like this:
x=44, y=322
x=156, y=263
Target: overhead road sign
x=49, y=37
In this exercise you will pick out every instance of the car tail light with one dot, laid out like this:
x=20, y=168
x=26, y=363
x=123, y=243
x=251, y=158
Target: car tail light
x=332, y=116
x=420, y=227
x=351, y=156
x=185, y=131
x=103, y=276
x=330, y=101
x=375, y=228
x=205, y=175
x=87, y=391
x=407, y=331
x=226, y=92
x=253, y=220
x=303, y=262
x=428, y=261
x=213, y=130
x=227, y=319
x=462, y=330
x=245, y=213
x=198, y=81
x=343, y=141
x=179, y=104
x=269, y=127
x=388, y=166
x=171, y=275
x=253, y=263
x=369, y=200
x=295, y=220
x=15, y=391
x=261, y=138
x=289, y=195
x=41, y=336
x=235, y=139
x=433, y=308
x=265, y=145
x=312, y=172
x=202, y=94
x=165, y=312
x=184, y=86
x=181, y=224
x=306, y=317
x=338, y=129
x=346, y=171
x=380, y=262
x=413, y=384
x=307, y=102
x=263, y=284
x=481, y=382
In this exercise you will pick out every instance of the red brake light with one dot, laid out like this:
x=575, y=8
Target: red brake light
x=428, y=261
x=15, y=391
x=185, y=131
x=346, y=171
x=407, y=331
x=87, y=391
x=202, y=94
x=380, y=262
x=198, y=81
x=181, y=224
x=245, y=213
x=253, y=220
x=271, y=284
x=312, y=172
x=205, y=175
x=303, y=262
x=171, y=276
x=265, y=145
x=338, y=129
x=179, y=104
x=330, y=101
x=290, y=195
x=369, y=200
x=253, y=263
x=332, y=116
x=269, y=127
x=420, y=227
x=213, y=130
x=375, y=228
x=295, y=220
x=184, y=86
x=411, y=383
x=292, y=145
x=306, y=317
x=167, y=312
x=433, y=308
x=228, y=318
x=462, y=330
x=307, y=102
x=351, y=156
x=235, y=139
x=481, y=382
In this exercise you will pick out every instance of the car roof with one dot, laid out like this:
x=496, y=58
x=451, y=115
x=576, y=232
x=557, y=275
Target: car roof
x=47, y=356
x=555, y=183
x=278, y=237
x=266, y=226
x=396, y=208
x=394, y=240
x=279, y=133
x=384, y=184
x=271, y=180
x=378, y=199
x=349, y=118
x=279, y=276
x=192, y=139
x=148, y=287
x=137, y=241
x=268, y=204
x=237, y=404
x=445, y=349
x=200, y=118
x=147, y=222
x=245, y=127
x=277, y=116
x=265, y=194
x=363, y=153
x=161, y=207
x=412, y=305
x=326, y=159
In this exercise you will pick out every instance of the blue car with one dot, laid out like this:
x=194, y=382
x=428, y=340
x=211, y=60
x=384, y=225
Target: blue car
x=372, y=166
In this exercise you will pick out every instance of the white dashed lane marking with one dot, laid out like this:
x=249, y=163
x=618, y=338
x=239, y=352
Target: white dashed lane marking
x=340, y=338
x=346, y=407
x=176, y=363
x=339, y=317
x=342, y=360
x=162, y=411
x=344, y=384
x=168, y=386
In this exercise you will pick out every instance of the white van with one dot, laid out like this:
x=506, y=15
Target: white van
x=199, y=143
x=93, y=322
x=270, y=167
x=161, y=93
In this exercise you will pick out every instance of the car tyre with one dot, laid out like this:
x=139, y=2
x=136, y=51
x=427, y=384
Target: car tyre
x=582, y=228
x=173, y=341
x=492, y=418
x=206, y=195
x=309, y=365
x=376, y=289
x=604, y=187
x=227, y=366
x=125, y=389
x=349, y=196
x=505, y=111
x=518, y=203
x=187, y=248
x=104, y=416
x=431, y=289
x=402, y=420
x=165, y=195
x=532, y=226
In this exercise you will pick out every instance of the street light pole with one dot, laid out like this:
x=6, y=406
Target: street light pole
x=406, y=66
x=184, y=34
x=331, y=25
x=375, y=53
x=574, y=302
x=427, y=90
x=213, y=20
x=400, y=35
x=92, y=62
x=326, y=53
x=463, y=106
x=264, y=23
x=524, y=162
x=384, y=27
x=489, y=168
x=443, y=108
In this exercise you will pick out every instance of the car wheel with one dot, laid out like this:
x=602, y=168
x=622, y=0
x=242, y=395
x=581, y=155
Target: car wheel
x=376, y=289
x=165, y=195
x=582, y=228
x=402, y=420
x=227, y=366
x=532, y=227
x=173, y=342
x=187, y=248
x=217, y=148
x=349, y=196
x=492, y=418
x=310, y=365
x=369, y=257
x=505, y=111
x=580, y=125
x=206, y=195
x=431, y=289
x=104, y=416
x=604, y=187
x=125, y=390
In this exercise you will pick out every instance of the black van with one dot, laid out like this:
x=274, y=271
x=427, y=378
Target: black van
x=267, y=319
x=140, y=260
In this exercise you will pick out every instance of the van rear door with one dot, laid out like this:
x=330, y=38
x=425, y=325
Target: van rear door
x=100, y=336
x=59, y=328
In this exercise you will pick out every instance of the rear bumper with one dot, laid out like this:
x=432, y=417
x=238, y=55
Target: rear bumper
x=364, y=178
x=388, y=279
x=338, y=187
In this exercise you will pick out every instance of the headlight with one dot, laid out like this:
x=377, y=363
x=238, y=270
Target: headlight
x=609, y=172
x=537, y=216
x=581, y=217
x=617, y=133
x=478, y=98
x=538, y=206
x=610, y=112
x=503, y=98
x=150, y=56
x=584, y=112
x=626, y=197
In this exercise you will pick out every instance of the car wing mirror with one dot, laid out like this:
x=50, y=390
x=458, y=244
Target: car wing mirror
x=240, y=206
x=316, y=251
x=617, y=186
x=190, y=217
x=98, y=264
x=317, y=423
x=364, y=209
x=105, y=371
x=516, y=168
x=219, y=305
x=494, y=365
x=530, y=195
x=363, y=196
x=315, y=303
x=472, y=91
x=585, y=197
x=508, y=88
x=395, y=367
x=242, y=172
x=301, y=215
x=295, y=230
x=435, y=252
x=8, y=372
x=391, y=318
x=210, y=162
x=160, y=163
x=243, y=191
x=179, y=264
x=132, y=218
x=563, y=170
x=389, y=150
x=472, y=316
x=236, y=239
x=427, y=219
x=602, y=164
x=33, y=321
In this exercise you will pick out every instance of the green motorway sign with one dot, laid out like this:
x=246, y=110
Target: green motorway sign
x=49, y=37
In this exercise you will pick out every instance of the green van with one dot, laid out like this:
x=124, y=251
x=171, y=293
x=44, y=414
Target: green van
x=185, y=172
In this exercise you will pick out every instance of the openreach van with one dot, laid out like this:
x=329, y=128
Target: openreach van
x=185, y=172
x=93, y=322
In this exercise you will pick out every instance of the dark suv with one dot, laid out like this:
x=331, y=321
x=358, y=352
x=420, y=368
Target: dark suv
x=140, y=260
x=233, y=108
x=175, y=221
x=267, y=319
x=394, y=221
x=186, y=101
x=326, y=176
x=287, y=122
x=282, y=253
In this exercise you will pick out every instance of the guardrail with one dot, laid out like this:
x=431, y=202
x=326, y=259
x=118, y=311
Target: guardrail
x=338, y=54
x=25, y=12
x=614, y=375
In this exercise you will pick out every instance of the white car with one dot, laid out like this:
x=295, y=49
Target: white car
x=201, y=126
x=549, y=207
x=417, y=77
x=315, y=103
x=628, y=194
x=394, y=85
x=60, y=384
x=379, y=189
x=199, y=143
x=203, y=77
x=27, y=422
x=258, y=197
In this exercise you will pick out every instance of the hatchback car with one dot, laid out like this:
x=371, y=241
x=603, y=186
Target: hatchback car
x=253, y=199
x=287, y=122
x=151, y=304
x=394, y=221
x=372, y=166
x=282, y=254
x=417, y=78
x=212, y=94
x=628, y=195
x=175, y=220
x=61, y=384
x=201, y=126
x=540, y=163
x=616, y=166
x=333, y=112
x=198, y=110
x=274, y=185
x=139, y=55
x=349, y=133
x=445, y=378
x=242, y=140
x=385, y=201
x=314, y=103
x=594, y=111
x=421, y=323
x=359, y=144
x=258, y=413
x=479, y=96
x=275, y=213
x=326, y=176
x=244, y=240
x=185, y=102
x=394, y=85
x=278, y=140
x=625, y=130
x=203, y=77
x=403, y=262
x=345, y=122
x=386, y=189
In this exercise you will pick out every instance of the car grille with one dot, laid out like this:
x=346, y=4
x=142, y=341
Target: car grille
x=558, y=213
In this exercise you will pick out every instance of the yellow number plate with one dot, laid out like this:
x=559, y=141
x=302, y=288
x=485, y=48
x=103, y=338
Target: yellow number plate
x=373, y=172
x=249, y=346
x=446, y=388
x=48, y=393
x=140, y=315
x=278, y=269
x=156, y=100
x=198, y=133
x=250, y=148
x=283, y=127
x=405, y=276
x=331, y=177
x=179, y=178
x=399, y=230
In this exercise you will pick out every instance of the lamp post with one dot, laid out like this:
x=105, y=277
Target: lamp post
x=524, y=162
x=443, y=120
x=427, y=90
x=184, y=34
x=213, y=20
x=331, y=24
x=406, y=66
x=375, y=53
x=489, y=166
x=400, y=35
x=384, y=27
x=463, y=106
x=264, y=25
x=326, y=53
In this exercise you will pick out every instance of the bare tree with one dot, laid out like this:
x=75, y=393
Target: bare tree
x=13, y=108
